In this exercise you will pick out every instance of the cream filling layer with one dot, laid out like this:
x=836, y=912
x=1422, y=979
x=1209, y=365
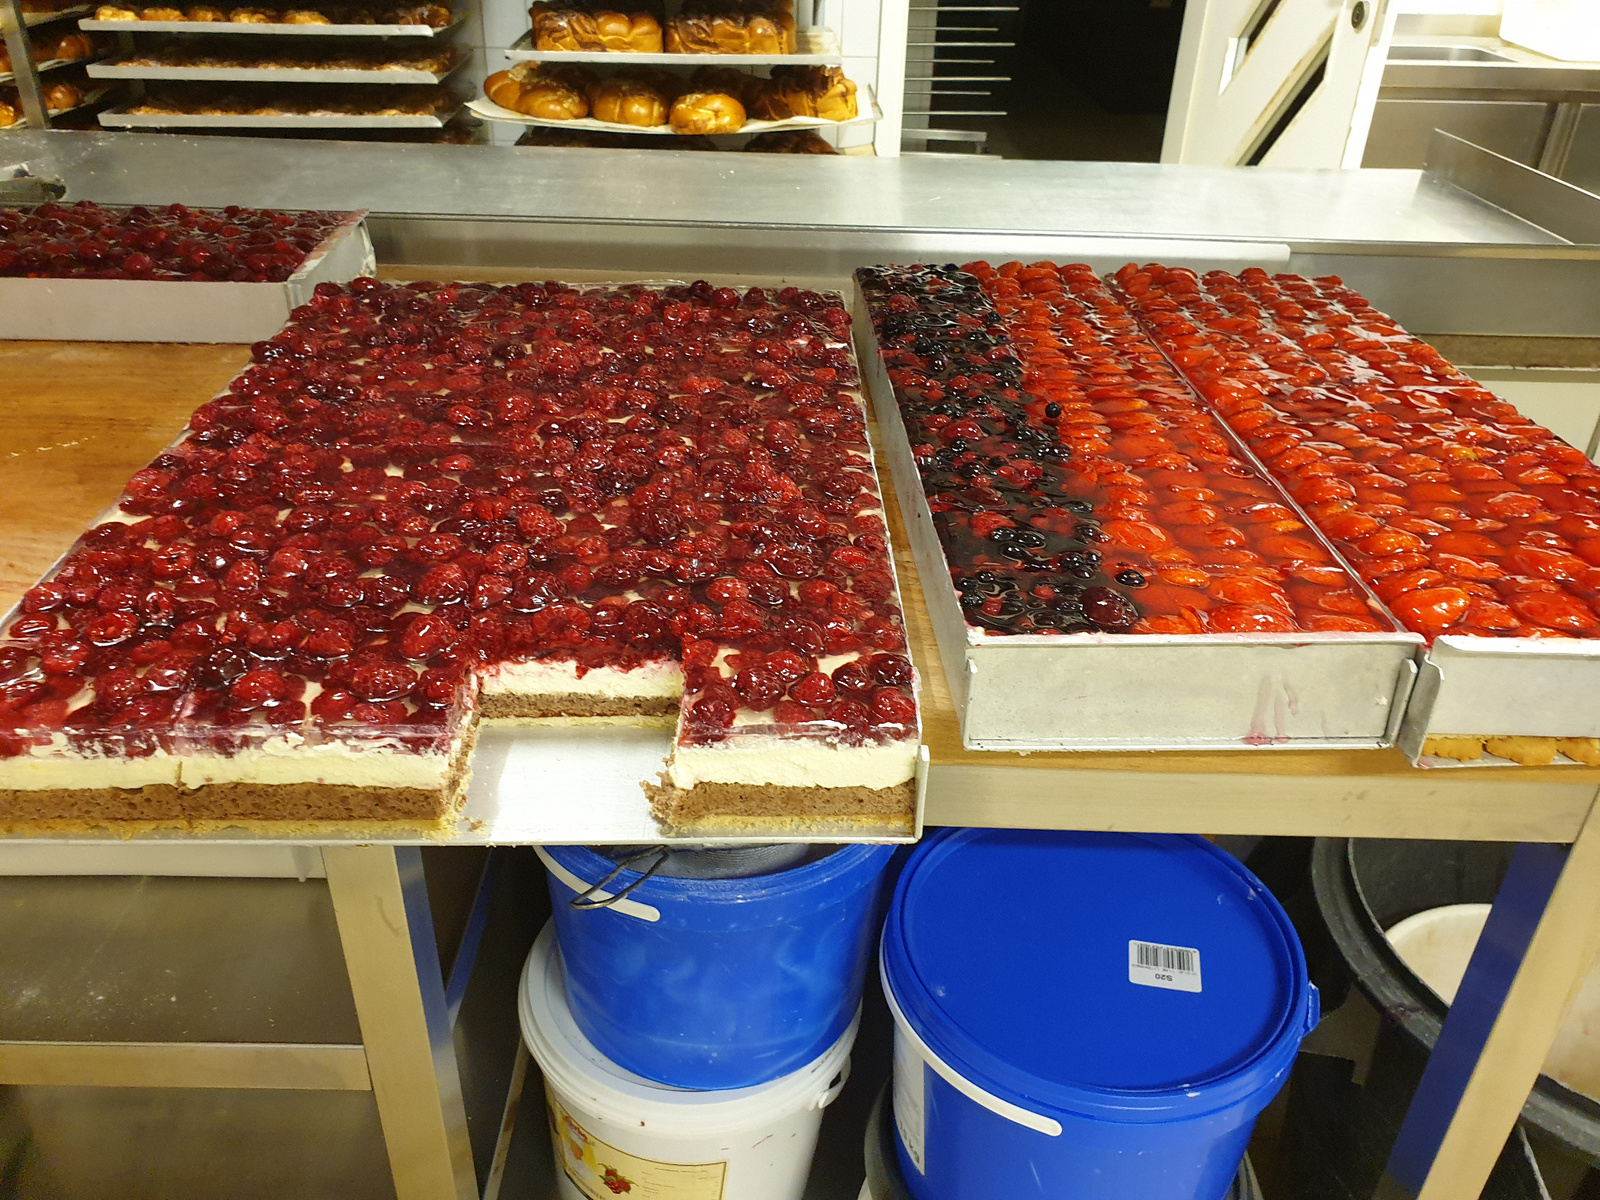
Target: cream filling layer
x=793, y=762
x=285, y=762
x=649, y=680
x=54, y=767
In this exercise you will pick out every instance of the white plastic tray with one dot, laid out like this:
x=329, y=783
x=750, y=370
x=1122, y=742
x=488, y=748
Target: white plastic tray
x=814, y=45
x=117, y=118
x=282, y=30
x=117, y=70
x=490, y=111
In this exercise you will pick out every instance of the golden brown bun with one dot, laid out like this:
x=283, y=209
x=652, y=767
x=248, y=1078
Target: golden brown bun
x=161, y=14
x=734, y=31
x=707, y=113
x=305, y=16
x=250, y=16
x=804, y=92
x=624, y=101
x=552, y=101
x=502, y=89
x=551, y=95
x=9, y=115
x=204, y=12
x=109, y=12
x=71, y=47
x=605, y=30
x=62, y=95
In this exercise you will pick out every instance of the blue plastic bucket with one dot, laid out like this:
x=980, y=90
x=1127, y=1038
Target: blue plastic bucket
x=718, y=983
x=1085, y=1015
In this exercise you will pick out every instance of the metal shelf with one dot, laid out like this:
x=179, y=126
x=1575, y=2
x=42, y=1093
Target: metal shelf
x=117, y=70
x=815, y=45
x=219, y=27
x=29, y=20
x=50, y=65
x=117, y=118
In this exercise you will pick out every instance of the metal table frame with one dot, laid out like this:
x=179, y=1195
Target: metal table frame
x=1476, y=247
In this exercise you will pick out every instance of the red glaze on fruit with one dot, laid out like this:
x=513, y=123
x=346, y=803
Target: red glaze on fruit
x=86, y=241
x=413, y=482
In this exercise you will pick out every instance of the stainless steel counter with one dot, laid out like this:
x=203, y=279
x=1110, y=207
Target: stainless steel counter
x=1474, y=245
x=845, y=193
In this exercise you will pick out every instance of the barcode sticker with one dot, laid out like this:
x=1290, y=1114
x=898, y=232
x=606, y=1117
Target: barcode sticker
x=1152, y=964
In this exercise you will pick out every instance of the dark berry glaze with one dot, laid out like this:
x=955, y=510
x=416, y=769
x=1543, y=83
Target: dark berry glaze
x=86, y=241
x=1464, y=516
x=412, y=484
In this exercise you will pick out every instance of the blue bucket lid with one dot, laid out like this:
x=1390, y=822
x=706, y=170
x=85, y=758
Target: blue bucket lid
x=1014, y=956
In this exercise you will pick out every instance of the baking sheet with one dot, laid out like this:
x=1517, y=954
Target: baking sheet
x=490, y=111
x=152, y=310
x=814, y=45
x=1135, y=691
x=118, y=118
x=117, y=70
x=29, y=20
x=281, y=30
x=50, y=65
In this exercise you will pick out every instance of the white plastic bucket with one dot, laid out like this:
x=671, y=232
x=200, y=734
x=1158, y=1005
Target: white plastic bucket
x=617, y=1134
x=1436, y=945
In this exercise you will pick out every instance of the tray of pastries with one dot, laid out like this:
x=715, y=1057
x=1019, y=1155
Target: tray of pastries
x=50, y=50
x=711, y=101
x=41, y=12
x=60, y=98
x=298, y=62
x=731, y=31
x=246, y=106
x=412, y=20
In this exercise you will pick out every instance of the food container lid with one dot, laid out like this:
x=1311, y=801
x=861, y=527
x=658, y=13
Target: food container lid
x=1123, y=976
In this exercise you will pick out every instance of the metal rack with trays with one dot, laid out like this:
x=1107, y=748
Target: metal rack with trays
x=24, y=77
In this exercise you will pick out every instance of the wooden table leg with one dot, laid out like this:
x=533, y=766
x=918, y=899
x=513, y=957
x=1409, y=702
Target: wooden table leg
x=1541, y=937
x=381, y=903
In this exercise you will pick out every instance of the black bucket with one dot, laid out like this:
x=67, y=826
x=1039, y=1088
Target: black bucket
x=1364, y=886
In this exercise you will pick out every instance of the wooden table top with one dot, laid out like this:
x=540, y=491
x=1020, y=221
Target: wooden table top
x=80, y=418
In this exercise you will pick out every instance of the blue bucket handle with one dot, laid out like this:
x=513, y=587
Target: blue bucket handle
x=586, y=900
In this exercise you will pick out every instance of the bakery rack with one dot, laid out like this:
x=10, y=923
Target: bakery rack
x=815, y=45
x=50, y=65
x=29, y=20
x=24, y=76
x=125, y=70
x=119, y=118
x=490, y=111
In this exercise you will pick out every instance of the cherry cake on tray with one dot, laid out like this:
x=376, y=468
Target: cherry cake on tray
x=427, y=505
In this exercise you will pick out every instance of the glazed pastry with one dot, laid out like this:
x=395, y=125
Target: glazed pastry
x=204, y=12
x=626, y=101
x=546, y=94
x=616, y=32
x=754, y=33
x=707, y=113
x=61, y=96
x=804, y=92
x=161, y=14
x=305, y=16
x=789, y=141
x=251, y=16
x=1584, y=750
x=69, y=47
x=10, y=114
x=107, y=12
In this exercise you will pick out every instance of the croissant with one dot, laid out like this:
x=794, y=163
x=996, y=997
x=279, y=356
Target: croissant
x=707, y=113
x=625, y=101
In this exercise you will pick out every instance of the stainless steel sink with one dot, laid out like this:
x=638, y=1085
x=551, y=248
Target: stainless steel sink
x=1464, y=54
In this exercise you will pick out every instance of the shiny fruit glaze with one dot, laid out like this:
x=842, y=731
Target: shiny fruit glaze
x=1464, y=516
x=1076, y=482
x=414, y=482
x=86, y=241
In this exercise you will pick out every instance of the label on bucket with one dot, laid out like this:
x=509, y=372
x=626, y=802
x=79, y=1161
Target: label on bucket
x=1152, y=964
x=908, y=1105
x=601, y=1171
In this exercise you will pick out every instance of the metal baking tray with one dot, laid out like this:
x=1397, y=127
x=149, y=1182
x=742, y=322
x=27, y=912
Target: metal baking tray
x=151, y=310
x=426, y=31
x=29, y=20
x=1141, y=691
x=490, y=111
x=1538, y=687
x=119, y=118
x=50, y=65
x=814, y=45
x=117, y=70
